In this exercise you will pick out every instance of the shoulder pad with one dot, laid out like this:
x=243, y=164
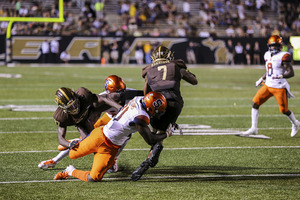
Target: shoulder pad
x=145, y=70
x=287, y=57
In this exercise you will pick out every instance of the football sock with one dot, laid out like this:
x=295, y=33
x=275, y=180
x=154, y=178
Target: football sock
x=254, y=117
x=82, y=175
x=292, y=118
x=61, y=155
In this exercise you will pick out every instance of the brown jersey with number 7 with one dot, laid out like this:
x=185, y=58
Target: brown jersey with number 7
x=164, y=75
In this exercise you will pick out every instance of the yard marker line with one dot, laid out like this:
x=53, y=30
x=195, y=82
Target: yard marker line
x=181, y=116
x=231, y=106
x=7, y=132
x=164, y=177
x=183, y=148
x=184, y=130
x=217, y=116
x=25, y=118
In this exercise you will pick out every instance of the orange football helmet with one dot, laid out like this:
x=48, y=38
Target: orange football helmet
x=275, y=43
x=114, y=83
x=155, y=103
x=67, y=100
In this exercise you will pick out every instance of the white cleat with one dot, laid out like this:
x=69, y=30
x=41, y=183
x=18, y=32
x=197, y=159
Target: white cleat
x=251, y=131
x=47, y=164
x=295, y=128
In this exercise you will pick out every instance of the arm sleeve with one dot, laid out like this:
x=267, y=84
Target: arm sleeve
x=188, y=76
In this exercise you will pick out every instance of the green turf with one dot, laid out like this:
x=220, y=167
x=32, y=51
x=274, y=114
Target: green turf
x=190, y=167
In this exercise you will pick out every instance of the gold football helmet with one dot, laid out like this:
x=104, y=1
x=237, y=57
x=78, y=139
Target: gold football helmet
x=67, y=100
x=162, y=52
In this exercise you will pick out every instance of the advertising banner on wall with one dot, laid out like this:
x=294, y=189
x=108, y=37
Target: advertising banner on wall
x=28, y=49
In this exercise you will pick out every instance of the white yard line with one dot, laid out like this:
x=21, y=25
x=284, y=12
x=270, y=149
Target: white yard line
x=181, y=116
x=166, y=177
x=183, y=148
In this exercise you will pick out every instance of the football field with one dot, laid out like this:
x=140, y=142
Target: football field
x=209, y=161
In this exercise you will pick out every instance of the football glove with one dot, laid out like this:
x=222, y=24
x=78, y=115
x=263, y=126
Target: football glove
x=73, y=144
x=259, y=82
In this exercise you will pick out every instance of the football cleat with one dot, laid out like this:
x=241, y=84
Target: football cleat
x=47, y=164
x=251, y=131
x=114, y=168
x=61, y=175
x=295, y=129
x=138, y=173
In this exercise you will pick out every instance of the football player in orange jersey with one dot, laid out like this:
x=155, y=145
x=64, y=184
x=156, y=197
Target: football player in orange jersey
x=105, y=141
x=115, y=84
x=278, y=68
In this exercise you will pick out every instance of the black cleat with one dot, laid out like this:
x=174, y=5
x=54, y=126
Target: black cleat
x=138, y=173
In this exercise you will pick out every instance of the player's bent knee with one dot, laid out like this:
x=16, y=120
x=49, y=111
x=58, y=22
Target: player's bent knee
x=73, y=155
x=284, y=111
x=95, y=177
x=90, y=179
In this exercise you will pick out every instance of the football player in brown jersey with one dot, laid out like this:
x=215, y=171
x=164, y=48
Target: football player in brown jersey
x=164, y=76
x=80, y=108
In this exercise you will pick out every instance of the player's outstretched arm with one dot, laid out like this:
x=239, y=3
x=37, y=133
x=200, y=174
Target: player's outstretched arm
x=149, y=137
x=260, y=80
x=61, y=136
x=109, y=100
x=188, y=76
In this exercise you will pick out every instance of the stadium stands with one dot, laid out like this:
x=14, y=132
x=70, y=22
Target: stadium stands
x=140, y=18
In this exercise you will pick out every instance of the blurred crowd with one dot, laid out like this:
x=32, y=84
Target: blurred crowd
x=156, y=18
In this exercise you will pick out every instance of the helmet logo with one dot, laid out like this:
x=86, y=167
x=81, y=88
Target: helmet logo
x=58, y=101
x=157, y=103
x=106, y=83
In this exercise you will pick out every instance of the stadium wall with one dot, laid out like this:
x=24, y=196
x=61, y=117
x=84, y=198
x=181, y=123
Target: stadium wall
x=27, y=49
